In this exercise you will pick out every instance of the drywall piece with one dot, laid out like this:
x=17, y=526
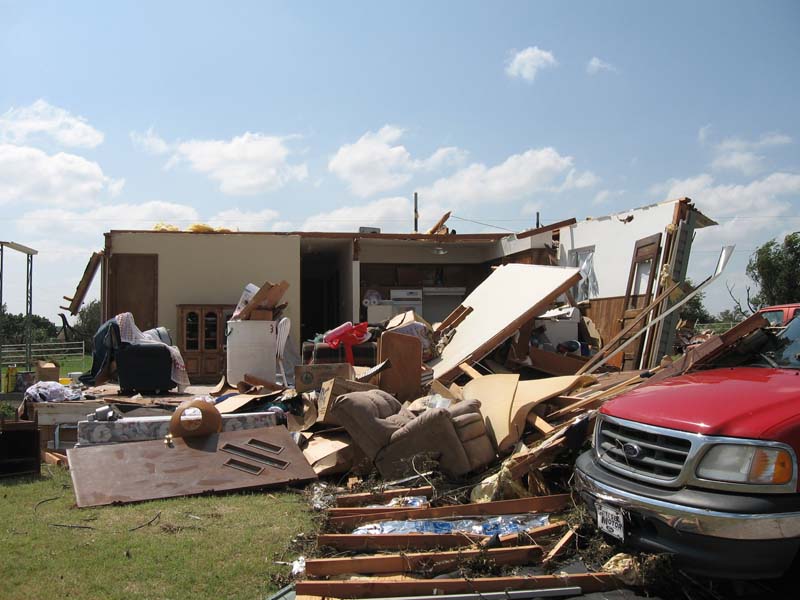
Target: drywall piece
x=388, y=588
x=512, y=295
x=232, y=460
x=404, y=352
x=496, y=395
x=506, y=402
x=429, y=562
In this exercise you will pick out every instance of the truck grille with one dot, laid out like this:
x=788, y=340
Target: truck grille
x=650, y=455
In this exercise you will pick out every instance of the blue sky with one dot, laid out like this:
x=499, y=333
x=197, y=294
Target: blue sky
x=284, y=116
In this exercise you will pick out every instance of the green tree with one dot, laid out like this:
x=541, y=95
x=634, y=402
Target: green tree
x=731, y=315
x=694, y=310
x=775, y=267
x=88, y=322
x=12, y=329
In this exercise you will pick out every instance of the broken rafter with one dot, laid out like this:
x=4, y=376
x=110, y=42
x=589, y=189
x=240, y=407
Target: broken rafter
x=382, y=588
x=503, y=507
x=428, y=562
x=347, y=500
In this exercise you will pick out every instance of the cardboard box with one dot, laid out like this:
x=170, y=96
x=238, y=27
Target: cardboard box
x=311, y=377
x=332, y=389
x=47, y=371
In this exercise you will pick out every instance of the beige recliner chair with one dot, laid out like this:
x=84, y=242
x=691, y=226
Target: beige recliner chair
x=391, y=436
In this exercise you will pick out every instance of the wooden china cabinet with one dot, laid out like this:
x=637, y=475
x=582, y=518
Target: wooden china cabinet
x=201, y=339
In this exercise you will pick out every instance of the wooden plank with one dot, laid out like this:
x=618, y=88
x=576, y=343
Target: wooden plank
x=559, y=547
x=471, y=371
x=534, y=458
x=83, y=285
x=404, y=379
x=439, y=224
x=501, y=507
x=429, y=562
x=379, y=588
x=540, y=424
x=55, y=413
x=345, y=500
x=544, y=229
x=367, y=511
x=404, y=541
x=512, y=539
x=554, y=363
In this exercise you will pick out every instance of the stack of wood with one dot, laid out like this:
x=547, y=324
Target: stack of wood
x=411, y=564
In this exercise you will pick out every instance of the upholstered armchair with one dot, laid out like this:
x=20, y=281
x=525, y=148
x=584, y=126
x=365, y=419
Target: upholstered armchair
x=391, y=436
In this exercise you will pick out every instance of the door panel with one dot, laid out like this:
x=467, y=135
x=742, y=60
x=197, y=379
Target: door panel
x=133, y=287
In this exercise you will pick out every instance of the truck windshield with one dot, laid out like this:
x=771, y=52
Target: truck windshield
x=784, y=352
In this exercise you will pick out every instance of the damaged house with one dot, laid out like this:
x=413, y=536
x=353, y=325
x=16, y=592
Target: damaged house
x=190, y=282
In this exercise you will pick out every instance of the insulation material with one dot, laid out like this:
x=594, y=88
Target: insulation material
x=512, y=295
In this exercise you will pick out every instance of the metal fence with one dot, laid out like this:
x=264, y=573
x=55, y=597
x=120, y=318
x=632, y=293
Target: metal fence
x=14, y=354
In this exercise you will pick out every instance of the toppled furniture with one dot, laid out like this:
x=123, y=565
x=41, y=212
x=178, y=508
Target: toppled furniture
x=19, y=448
x=391, y=435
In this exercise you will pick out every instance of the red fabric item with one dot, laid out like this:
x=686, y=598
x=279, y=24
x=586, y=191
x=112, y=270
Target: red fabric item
x=357, y=334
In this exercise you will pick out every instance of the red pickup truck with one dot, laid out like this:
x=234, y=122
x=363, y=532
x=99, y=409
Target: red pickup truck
x=704, y=465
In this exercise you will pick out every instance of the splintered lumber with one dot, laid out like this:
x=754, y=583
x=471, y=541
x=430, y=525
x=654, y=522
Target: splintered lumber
x=369, y=510
x=469, y=370
x=502, y=507
x=560, y=545
x=430, y=541
x=711, y=348
x=525, y=462
x=381, y=588
x=540, y=424
x=347, y=500
x=439, y=224
x=398, y=541
x=429, y=562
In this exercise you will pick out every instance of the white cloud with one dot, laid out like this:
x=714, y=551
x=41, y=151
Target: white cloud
x=596, y=65
x=518, y=176
x=376, y=163
x=604, y=196
x=31, y=176
x=738, y=154
x=390, y=214
x=249, y=164
x=748, y=163
x=526, y=63
x=764, y=196
x=64, y=224
x=149, y=142
x=240, y=220
x=703, y=133
x=19, y=125
x=578, y=181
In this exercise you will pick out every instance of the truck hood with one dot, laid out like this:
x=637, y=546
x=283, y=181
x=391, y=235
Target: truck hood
x=745, y=402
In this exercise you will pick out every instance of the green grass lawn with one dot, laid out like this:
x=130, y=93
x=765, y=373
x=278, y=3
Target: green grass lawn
x=68, y=365
x=201, y=547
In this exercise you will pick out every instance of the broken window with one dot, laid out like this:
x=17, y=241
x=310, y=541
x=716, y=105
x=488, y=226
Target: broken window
x=587, y=287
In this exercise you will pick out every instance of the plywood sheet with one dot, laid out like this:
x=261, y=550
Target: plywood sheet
x=508, y=298
x=233, y=460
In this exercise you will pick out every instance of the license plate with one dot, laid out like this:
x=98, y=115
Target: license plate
x=609, y=520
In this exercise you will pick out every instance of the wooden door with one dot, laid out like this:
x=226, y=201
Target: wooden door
x=639, y=292
x=133, y=287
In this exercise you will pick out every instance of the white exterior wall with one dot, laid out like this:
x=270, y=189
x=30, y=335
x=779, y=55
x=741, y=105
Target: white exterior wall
x=613, y=241
x=198, y=268
x=414, y=252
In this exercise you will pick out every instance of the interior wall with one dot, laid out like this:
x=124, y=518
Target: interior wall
x=613, y=238
x=198, y=268
x=378, y=251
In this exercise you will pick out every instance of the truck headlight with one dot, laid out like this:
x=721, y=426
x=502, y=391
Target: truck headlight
x=739, y=463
